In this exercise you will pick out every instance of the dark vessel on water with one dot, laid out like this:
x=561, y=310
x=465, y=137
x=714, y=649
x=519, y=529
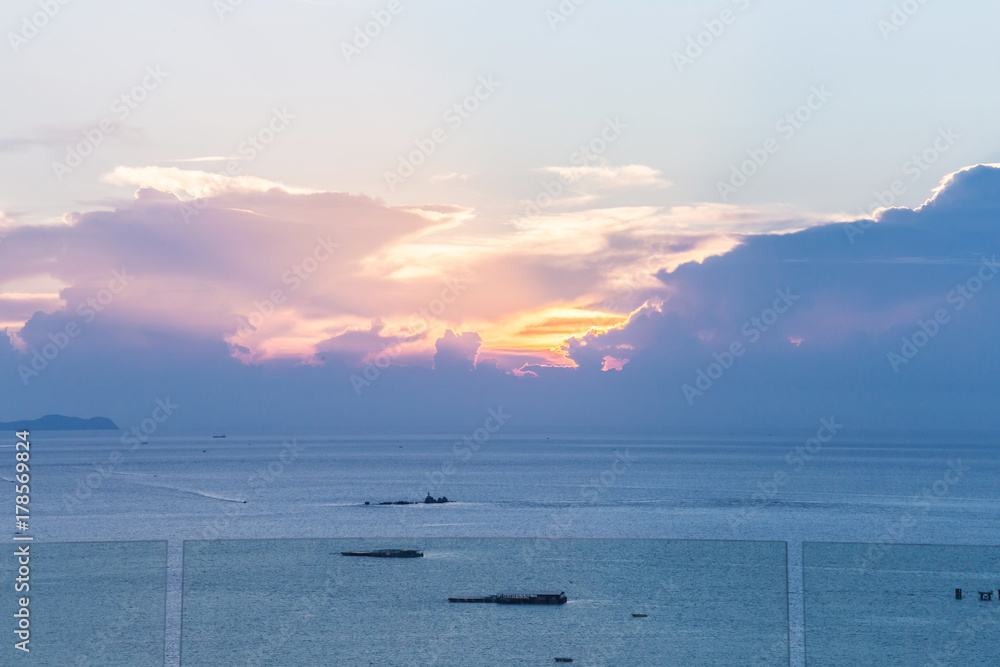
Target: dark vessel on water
x=429, y=500
x=517, y=598
x=386, y=553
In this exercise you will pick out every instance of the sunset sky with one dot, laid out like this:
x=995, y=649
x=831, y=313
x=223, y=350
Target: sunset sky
x=471, y=187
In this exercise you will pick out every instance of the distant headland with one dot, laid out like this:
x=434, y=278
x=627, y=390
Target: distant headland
x=60, y=423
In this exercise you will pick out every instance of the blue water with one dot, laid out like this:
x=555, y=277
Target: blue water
x=300, y=602
x=89, y=604
x=179, y=487
x=895, y=605
x=855, y=489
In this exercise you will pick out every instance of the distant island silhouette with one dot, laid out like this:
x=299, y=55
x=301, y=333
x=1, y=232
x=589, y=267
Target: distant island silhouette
x=60, y=423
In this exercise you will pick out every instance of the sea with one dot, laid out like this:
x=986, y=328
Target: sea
x=716, y=549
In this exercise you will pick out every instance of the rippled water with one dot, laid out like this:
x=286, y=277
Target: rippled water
x=855, y=489
x=253, y=602
x=99, y=603
x=895, y=605
x=709, y=489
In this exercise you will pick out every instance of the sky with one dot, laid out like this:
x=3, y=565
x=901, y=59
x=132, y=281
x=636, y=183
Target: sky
x=393, y=216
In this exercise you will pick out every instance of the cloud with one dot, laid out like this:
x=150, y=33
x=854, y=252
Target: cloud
x=18, y=307
x=357, y=346
x=11, y=144
x=290, y=264
x=60, y=137
x=210, y=158
x=601, y=339
x=605, y=177
x=457, y=352
x=452, y=176
x=613, y=363
x=247, y=263
x=820, y=316
x=194, y=183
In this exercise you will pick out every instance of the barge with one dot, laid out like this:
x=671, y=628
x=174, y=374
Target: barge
x=386, y=553
x=429, y=500
x=517, y=598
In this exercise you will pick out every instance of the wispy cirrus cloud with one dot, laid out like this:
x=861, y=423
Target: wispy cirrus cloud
x=603, y=176
x=210, y=158
x=451, y=176
x=194, y=183
x=62, y=137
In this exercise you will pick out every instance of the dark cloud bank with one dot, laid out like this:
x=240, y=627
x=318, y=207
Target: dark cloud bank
x=887, y=325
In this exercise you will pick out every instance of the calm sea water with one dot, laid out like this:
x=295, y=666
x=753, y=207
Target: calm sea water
x=895, y=605
x=300, y=602
x=90, y=487
x=98, y=603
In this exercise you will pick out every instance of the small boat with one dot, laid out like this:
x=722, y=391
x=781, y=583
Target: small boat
x=563, y=659
x=218, y=436
x=640, y=615
x=386, y=553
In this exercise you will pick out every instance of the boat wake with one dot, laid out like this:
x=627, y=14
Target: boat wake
x=437, y=525
x=181, y=489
